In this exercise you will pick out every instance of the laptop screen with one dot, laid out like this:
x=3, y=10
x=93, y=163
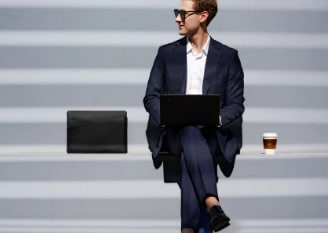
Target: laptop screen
x=183, y=110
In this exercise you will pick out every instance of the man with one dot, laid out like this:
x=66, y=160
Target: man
x=198, y=64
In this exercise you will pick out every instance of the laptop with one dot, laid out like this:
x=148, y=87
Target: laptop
x=181, y=110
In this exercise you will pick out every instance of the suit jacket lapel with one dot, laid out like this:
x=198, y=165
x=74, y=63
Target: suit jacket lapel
x=212, y=63
x=180, y=58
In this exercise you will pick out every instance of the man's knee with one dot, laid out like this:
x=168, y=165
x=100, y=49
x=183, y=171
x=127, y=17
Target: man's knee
x=191, y=132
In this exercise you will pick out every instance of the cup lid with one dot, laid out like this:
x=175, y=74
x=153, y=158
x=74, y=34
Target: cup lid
x=270, y=134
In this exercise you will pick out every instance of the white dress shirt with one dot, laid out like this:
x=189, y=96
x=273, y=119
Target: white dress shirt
x=196, y=68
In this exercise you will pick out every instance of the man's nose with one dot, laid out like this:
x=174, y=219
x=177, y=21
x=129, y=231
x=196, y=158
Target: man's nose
x=178, y=18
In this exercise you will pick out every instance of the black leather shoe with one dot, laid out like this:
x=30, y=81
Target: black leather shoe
x=218, y=219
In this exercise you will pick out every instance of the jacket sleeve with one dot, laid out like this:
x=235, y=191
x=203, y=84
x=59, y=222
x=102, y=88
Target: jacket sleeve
x=234, y=99
x=155, y=87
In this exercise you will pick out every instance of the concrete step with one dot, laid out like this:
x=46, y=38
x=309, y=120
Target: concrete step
x=40, y=134
x=137, y=166
x=126, y=187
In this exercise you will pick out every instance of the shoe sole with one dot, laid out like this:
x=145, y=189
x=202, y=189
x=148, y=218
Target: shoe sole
x=220, y=225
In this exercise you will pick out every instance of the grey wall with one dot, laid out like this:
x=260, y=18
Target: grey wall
x=62, y=55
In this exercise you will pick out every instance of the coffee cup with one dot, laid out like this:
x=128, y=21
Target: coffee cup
x=270, y=143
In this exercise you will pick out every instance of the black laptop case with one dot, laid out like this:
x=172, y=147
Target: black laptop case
x=97, y=132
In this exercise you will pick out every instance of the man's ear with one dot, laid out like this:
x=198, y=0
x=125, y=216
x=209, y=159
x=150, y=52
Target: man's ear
x=204, y=16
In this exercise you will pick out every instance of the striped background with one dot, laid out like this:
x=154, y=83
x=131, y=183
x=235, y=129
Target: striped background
x=59, y=55
x=69, y=54
x=56, y=193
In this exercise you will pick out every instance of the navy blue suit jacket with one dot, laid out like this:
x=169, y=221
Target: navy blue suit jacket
x=223, y=75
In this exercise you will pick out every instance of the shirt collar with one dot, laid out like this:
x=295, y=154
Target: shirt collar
x=204, y=49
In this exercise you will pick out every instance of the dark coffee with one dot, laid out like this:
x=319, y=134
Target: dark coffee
x=269, y=143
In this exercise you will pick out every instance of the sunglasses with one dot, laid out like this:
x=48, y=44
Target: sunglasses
x=183, y=13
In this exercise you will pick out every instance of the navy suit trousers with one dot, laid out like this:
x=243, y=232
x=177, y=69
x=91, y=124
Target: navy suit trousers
x=196, y=147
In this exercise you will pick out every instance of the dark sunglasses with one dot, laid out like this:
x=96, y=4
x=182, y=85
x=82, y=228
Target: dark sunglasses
x=184, y=13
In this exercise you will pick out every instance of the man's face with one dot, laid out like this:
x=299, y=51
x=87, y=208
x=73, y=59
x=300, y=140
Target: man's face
x=187, y=21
